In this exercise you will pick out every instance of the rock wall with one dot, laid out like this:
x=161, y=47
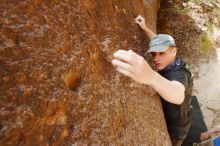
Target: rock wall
x=57, y=84
x=175, y=19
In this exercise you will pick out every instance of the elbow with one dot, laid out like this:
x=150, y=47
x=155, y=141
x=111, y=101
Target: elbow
x=181, y=95
x=180, y=99
x=178, y=93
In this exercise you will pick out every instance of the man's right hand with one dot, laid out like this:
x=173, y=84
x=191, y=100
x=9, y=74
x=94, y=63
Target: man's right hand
x=141, y=22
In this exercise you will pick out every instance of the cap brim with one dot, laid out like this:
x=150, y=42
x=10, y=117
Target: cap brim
x=160, y=48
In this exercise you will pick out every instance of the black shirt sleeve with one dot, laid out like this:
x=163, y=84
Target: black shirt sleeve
x=181, y=76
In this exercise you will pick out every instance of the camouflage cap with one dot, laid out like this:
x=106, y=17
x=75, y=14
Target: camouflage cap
x=159, y=43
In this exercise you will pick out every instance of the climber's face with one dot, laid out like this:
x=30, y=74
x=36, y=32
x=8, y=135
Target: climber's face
x=163, y=59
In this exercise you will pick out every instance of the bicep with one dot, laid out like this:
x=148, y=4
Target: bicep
x=178, y=85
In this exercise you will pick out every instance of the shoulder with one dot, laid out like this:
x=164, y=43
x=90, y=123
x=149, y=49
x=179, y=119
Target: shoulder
x=182, y=70
x=181, y=67
x=182, y=74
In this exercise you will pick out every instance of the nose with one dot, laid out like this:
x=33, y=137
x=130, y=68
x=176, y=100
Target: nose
x=156, y=56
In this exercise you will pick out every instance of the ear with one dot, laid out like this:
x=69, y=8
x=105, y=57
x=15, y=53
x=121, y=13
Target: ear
x=174, y=51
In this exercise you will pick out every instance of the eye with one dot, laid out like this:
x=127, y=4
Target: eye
x=162, y=53
x=153, y=54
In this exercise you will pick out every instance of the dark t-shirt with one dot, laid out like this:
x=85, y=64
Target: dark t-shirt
x=177, y=116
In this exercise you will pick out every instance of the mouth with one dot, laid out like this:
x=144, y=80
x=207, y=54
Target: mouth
x=157, y=65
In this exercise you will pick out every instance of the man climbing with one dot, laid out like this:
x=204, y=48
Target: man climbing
x=173, y=80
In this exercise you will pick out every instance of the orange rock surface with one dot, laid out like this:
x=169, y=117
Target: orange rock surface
x=57, y=84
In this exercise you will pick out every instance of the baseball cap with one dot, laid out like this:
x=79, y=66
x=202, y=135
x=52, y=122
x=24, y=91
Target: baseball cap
x=160, y=42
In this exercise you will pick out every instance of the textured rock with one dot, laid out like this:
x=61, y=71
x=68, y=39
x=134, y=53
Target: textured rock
x=57, y=85
x=174, y=19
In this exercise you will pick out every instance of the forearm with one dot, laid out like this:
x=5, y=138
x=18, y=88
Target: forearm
x=148, y=32
x=171, y=91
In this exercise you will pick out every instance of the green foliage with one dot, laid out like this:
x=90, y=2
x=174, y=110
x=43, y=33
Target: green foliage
x=211, y=27
x=198, y=1
x=206, y=43
x=216, y=12
x=195, y=144
x=178, y=9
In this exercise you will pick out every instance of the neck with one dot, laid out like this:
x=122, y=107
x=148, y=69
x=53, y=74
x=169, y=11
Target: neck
x=173, y=60
x=173, y=63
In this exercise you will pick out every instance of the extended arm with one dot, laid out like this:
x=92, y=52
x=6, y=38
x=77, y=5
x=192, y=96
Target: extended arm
x=171, y=91
x=135, y=67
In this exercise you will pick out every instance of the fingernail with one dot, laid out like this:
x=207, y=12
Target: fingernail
x=113, y=61
x=115, y=54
